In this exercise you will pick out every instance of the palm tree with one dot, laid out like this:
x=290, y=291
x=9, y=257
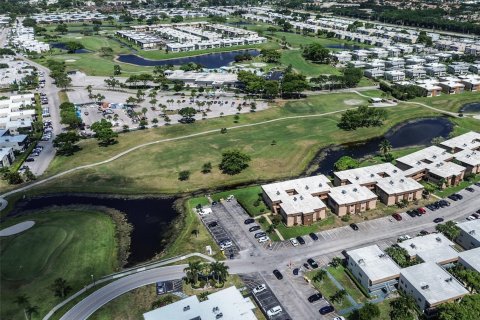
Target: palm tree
x=219, y=271
x=320, y=276
x=89, y=90
x=385, y=147
x=336, y=262
x=193, y=271
x=23, y=302
x=31, y=310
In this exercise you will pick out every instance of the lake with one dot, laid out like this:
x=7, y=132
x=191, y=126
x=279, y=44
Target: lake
x=473, y=107
x=409, y=134
x=210, y=61
x=151, y=218
x=63, y=46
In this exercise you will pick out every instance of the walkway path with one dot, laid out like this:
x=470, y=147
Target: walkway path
x=276, y=231
x=123, y=153
x=124, y=273
x=16, y=228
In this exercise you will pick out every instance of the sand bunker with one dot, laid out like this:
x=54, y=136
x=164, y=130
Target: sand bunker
x=70, y=60
x=17, y=228
x=353, y=102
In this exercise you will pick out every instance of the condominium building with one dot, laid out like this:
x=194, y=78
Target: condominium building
x=351, y=199
x=298, y=201
x=470, y=259
x=430, y=285
x=373, y=268
x=15, y=113
x=6, y=157
x=469, y=237
x=433, y=247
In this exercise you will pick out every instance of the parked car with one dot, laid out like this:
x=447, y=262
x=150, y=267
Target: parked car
x=438, y=220
x=404, y=237
x=354, y=226
x=470, y=189
x=278, y=274
x=294, y=242
x=295, y=271
x=249, y=221
x=326, y=310
x=313, y=236
x=312, y=263
x=300, y=240
x=225, y=244
x=339, y=318
x=424, y=232
x=212, y=224
x=470, y=218
x=477, y=184
x=259, y=235
x=476, y=215
x=422, y=210
x=411, y=213
x=263, y=239
x=259, y=288
x=29, y=160
x=274, y=311
x=314, y=297
x=397, y=216
x=254, y=228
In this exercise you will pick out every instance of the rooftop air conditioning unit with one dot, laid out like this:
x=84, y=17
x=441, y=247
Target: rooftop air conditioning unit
x=425, y=287
x=438, y=239
x=186, y=308
x=344, y=191
x=306, y=187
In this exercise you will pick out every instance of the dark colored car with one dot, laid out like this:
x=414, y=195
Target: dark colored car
x=295, y=271
x=214, y=203
x=411, y=213
x=278, y=274
x=260, y=234
x=313, y=236
x=453, y=197
x=476, y=215
x=212, y=224
x=438, y=220
x=248, y=221
x=424, y=232
x=418, y=213
x=477, y=184
x=254, y=228
x=29, y=159
x=312, y=263
x=314, y=297
x=326, y=310
x=469, y=189
x=397, y=217
x=354, y=226
x=300, y=240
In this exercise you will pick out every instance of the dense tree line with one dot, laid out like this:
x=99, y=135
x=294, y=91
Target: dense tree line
x=68, y=115
x=362, y=117
x=349, y=79
x=403, y=92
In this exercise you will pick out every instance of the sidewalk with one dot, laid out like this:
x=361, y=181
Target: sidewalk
x=270, y=222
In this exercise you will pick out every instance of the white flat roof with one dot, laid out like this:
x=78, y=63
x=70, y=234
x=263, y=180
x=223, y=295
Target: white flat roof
x=471, y=157
x=425, y=156
x=469, y=140
x=471, y=227
x=229, y=302
x=433, y=282
x=351, y=193
x=432, y=247
x=370, y=174
x=471, y=258
x=374, y=262
x=398, y=185
x=302, y=200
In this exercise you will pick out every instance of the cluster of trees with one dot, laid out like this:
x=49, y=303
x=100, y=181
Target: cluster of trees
x=58, y=73
x=68, y=115
x=234, y=161
x=404, y=308
x=65, y=143
x=349, y=79
x=243, y=57
x=316, y=53
x=142, y=78
x=400, y=256
x=271, y=55
x=73, y=46
x=345, y=163
x=14, y=177
x=198, y=273
x=6, y=52
x=449, y=229
x=402, y=92
x=104, y=133
x=191, y=66
x=467, y=309
x=469, y=277
x=363, y=116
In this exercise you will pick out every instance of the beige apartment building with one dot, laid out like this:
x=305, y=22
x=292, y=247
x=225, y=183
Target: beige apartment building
x=351, y=199
x=397, y=189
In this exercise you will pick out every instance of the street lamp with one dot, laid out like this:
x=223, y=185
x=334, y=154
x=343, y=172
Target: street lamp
x=93, y=279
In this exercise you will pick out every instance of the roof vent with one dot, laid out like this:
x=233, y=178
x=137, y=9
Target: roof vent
x=425, y=287
x=438, y=239
x=356, y=178
x=301, y=197
x=413, y=245
x=450, y=279
x=464, y=144
x=306, y=187
x=391, y=181
x=320, y=184
x=215, y=309
x=186, y=308
x=294, y=198
x=394, y=170
x=278, y=193
x=471, y=232
x=355, y=189
x=434, y=156
x=361, y=261
x=220, y=315
x=372, y=175
x=402, y=180
x=344, y=191
x=418, y=162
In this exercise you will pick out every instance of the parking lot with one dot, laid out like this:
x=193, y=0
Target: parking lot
x=265, y=299
x=219, y=233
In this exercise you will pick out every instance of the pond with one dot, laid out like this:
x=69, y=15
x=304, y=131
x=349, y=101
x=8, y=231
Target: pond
x=343, y=46
x=210, y=61
x=151, y=218
x=409, y=134
x=473, y=107
x=63, y=46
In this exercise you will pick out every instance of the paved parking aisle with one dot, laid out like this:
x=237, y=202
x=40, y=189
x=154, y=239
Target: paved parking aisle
x=219, y=233
x=265, y=299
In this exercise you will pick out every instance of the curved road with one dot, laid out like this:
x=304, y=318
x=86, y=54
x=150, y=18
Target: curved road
x=269, y=260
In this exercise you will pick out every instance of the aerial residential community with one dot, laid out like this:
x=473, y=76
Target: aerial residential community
x=165, y=160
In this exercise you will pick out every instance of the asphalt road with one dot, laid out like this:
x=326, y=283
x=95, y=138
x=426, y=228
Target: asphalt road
x=298, y=308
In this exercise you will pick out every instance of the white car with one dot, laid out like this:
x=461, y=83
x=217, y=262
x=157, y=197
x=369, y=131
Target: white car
x=469, y=218
x=404, y=237
x=226, y=244
x=259, y=288
x=274, y=311
x=294, y=242
x=263, y=239
x=339, y=318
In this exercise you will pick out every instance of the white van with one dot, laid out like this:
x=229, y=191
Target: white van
x=274, y=311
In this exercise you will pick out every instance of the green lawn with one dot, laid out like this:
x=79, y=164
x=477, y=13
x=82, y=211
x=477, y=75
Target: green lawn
x=294, y=58
x=70, y=244
x=341, y=276
x=292, y=232
x=452, y=102
x=250, y=198
x=462, y=185
x=273, y=235
x=187, y=240
x=327, y=288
